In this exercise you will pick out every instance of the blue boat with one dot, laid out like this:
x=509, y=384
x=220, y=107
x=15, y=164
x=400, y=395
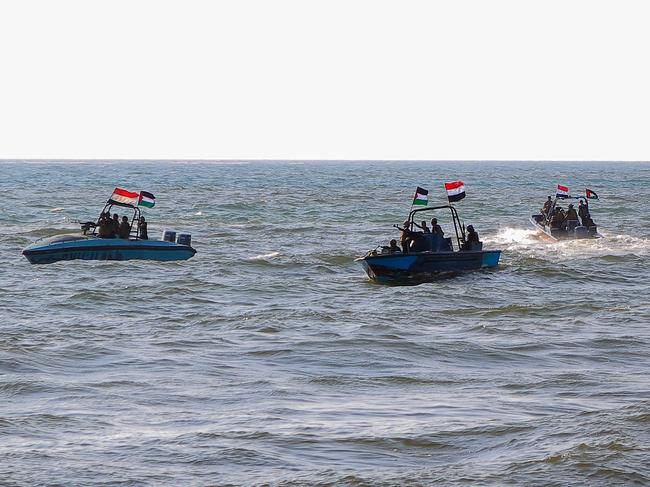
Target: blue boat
x=88, y=245
x=428, y=255
x=91, y=247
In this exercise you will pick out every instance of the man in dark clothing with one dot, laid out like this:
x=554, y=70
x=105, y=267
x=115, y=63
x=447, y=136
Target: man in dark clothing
x=547, y=206
x=105, y=226
x=571, y=218
x=558, y=219
x=142, y=229
x=423, y=226
x=124, y=229
x=590, y=224
x=561, y=218
x=435, y=228
x=571, y=214
x=583, y=213
x=472, y=236
x=394, y=248
x=115, y=222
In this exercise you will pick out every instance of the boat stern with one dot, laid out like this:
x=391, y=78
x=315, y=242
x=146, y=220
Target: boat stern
x=490, y=258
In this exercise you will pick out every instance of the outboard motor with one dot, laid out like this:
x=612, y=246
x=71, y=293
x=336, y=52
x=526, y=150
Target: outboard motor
x=184, y=239
x=169, y=236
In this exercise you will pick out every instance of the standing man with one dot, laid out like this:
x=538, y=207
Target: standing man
x=435, y=228
x=583, y=213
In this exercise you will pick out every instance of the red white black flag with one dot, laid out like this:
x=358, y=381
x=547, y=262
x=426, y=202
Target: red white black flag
x=455, y=190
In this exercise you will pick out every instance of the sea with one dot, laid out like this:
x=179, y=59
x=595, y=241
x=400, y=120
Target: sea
x=270, y=358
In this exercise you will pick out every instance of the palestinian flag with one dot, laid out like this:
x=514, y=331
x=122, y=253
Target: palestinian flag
x=590, y=194
x=421, y=197
x=146, y=199
x=455, y=191
x=562, y=192
x=123, y=197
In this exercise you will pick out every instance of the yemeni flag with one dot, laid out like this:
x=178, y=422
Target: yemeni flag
x=421, y=197
x=455, y=191
x=562, y=192
x=591, y=194
x=123, y=197
x=146, y=199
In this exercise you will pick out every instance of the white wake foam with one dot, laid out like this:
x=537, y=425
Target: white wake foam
x=265, y=256
x=508, y=235
x=530, y=243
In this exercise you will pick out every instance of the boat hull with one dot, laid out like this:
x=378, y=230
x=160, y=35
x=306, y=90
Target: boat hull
x=556, y=235
x=71, y=247
x=422, y=266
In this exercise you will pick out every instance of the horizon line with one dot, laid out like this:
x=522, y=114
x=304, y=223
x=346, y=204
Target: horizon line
x=314, y=160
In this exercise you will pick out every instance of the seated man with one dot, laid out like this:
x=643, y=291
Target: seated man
x=435, y=228
x=142, y=229
x=394, y=248
x=471, y=240
x=590, y=224
x=124, y=231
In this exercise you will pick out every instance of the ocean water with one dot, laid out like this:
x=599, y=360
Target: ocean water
x=270, y=359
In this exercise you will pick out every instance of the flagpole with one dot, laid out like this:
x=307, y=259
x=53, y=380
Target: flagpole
x=409, y=215
x=412, y=203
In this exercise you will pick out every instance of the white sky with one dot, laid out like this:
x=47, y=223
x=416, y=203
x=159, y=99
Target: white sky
x=325, y=79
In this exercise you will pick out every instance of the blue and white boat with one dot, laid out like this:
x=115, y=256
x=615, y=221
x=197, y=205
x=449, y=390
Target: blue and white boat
x=88, y=245
x=92, y=247
x=428, y=255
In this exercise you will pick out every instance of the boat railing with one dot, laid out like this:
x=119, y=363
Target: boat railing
x=459, y=228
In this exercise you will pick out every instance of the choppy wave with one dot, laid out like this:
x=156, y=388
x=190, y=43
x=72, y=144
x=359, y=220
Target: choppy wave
x=269, y=358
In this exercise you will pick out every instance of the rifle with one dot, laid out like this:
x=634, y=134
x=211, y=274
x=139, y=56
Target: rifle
x=85, y=226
